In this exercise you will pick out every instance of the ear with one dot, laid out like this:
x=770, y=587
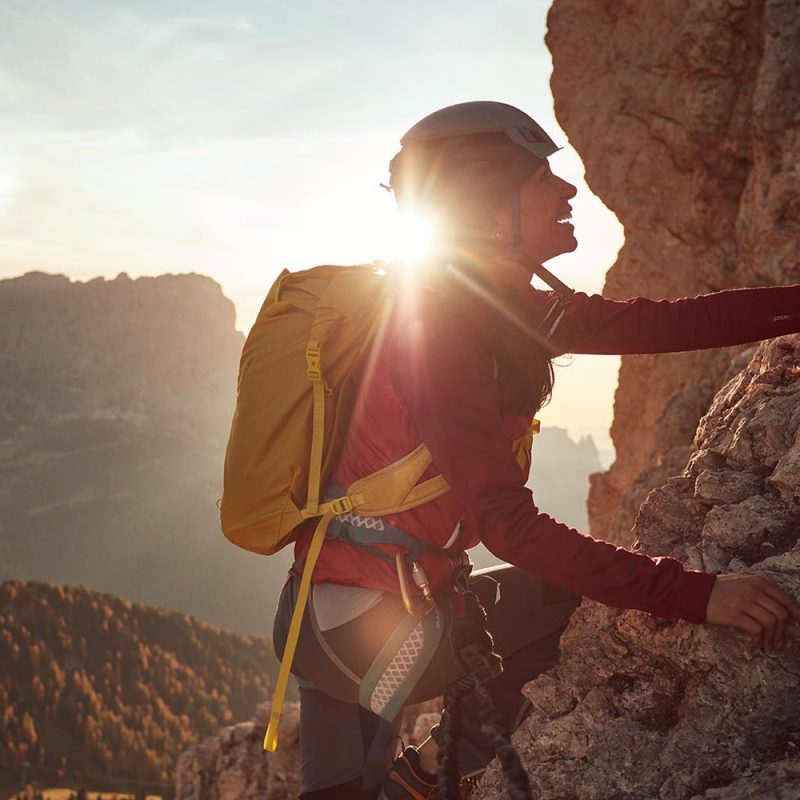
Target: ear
x=501, y=220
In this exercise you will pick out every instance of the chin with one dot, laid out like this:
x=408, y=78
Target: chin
x=556, y=244
x=563, y=248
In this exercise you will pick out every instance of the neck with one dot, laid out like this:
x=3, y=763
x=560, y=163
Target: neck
x=497, y=263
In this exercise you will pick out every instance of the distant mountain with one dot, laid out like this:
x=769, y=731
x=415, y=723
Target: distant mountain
x=115, y=402
x=91, y=685
x=560, y=473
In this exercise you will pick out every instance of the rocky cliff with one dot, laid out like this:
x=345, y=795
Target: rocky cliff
x=115, y=402
x=686, y=115
x=233, y=765
x=641, y=708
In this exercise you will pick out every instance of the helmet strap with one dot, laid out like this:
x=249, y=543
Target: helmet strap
x=516, y=220
x=554, y=283
x=559, y=287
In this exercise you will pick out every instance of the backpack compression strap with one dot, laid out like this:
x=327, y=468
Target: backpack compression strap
x=313, y=508
x=314, y=373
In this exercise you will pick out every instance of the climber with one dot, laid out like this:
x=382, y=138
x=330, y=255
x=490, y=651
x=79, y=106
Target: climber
x=464, y=362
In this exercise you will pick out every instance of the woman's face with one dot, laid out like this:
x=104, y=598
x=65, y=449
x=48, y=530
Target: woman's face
x=544, y=214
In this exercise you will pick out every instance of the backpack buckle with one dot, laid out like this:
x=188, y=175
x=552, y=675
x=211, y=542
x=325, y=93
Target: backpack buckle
x=314, y=361
x=341, y=505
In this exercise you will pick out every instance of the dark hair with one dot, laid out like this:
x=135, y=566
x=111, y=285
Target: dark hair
x=509, y=327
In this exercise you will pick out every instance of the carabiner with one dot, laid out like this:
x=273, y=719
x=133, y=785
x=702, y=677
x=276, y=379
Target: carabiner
x=421, y=580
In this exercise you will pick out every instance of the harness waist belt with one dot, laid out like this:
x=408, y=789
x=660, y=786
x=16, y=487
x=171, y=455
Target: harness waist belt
x=365, y=532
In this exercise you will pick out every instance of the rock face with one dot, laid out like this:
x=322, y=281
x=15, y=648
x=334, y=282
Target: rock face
x=686, y=116
x=234, y=766
x=115, y=402
x=641, y=708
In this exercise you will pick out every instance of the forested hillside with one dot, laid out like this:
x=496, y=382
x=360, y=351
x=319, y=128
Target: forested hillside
x=93, y=684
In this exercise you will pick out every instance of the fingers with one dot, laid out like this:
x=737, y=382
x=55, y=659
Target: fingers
x=754, y=604
x=780, y=608
x=787, y=601
x=751, y=625
x=781, y=617
x=767, y=620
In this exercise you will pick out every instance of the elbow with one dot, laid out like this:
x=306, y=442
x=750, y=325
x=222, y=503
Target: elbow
x=496, y=543
x=502, y=527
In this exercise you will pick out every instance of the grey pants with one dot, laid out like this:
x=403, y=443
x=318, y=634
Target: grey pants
x=343, y=744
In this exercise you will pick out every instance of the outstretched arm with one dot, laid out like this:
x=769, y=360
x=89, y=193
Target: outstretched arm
x=447, y=382
x=594, y=324
x=449, y=387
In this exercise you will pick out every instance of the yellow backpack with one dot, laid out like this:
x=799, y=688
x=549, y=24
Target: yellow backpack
x=291, y=415
x=298, y=377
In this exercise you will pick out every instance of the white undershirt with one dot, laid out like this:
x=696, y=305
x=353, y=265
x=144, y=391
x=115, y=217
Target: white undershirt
x=335, y=604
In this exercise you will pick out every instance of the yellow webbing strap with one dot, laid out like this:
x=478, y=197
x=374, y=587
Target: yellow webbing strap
x=314, y=373
x=395, y=488
x=271, y=737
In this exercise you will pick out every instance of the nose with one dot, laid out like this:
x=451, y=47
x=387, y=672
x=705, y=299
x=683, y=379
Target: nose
x=568, y=190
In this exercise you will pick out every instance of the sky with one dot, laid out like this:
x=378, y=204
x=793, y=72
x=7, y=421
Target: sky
x=235, y=139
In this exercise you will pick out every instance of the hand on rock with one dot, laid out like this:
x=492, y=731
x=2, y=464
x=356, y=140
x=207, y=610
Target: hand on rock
x=753, y=604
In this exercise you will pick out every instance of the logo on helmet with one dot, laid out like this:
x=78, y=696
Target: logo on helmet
x=532, y=136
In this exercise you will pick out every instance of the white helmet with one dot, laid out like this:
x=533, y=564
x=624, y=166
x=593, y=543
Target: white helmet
x=466, y=155
x=483, y=116
x=464, y=158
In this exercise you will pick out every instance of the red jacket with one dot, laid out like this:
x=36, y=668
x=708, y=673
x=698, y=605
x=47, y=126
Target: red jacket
x=433, y=382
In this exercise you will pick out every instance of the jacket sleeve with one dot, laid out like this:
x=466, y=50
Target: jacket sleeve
x=448, y=385
x=594, y=324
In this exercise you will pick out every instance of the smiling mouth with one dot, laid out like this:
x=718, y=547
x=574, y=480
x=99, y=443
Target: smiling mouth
x=565, y=217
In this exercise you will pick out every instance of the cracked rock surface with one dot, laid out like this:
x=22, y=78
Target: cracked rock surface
x=233, y=765
x=640, y=708
x=687, y=117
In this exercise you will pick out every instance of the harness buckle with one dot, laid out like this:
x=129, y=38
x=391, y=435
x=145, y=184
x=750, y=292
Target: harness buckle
x=342, y=505
x=313, y=361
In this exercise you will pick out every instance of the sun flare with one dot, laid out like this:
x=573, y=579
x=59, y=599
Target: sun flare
x=415, y=238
